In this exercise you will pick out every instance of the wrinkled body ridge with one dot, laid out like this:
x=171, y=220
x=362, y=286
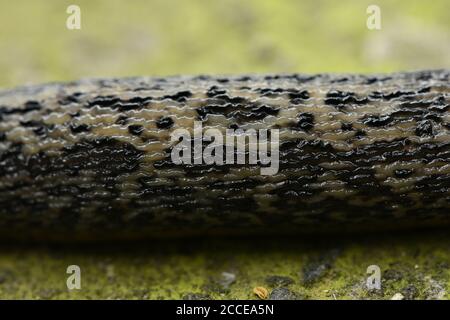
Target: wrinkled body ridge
x=94, y=156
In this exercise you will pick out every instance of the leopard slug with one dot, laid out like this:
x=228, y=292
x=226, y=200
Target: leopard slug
x=92, y=158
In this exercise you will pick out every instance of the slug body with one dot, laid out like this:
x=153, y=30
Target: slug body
x=94, y=157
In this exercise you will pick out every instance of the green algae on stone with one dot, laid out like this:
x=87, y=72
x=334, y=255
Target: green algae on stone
x=416, y=266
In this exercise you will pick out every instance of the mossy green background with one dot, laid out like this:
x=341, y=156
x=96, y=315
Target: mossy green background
x=417, y=265
x=167, y=37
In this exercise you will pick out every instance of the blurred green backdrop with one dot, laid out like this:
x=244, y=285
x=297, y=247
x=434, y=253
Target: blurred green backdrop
x=166, y=37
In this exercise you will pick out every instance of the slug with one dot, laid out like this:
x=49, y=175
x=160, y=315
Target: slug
x=93, y=158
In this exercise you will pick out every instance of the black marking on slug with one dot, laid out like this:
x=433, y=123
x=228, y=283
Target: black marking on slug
x=432, y=116
x=433, y=183
x=424, y=90
x=269, y=92
x=396, y=94
x=407, y=114
x=346, y=126
x=298, y=96
x=2, y=136
x=338, y=80
x=107, y=156
x=179, y=96
x=115, y=103
x=140, y=100
x=213, y=109
x=225, y=99
x=260, y=112
x=223, y=80
x=339, y=98
x=74, y=114
x=103, y=101
x=439, y=101
x=124, y=106
x=202, y=77
x=425, y=76
x=244, y=79
x=135, y=129
x=42, y=130
x=29, y=106
x=424, y=128
x=77, y=128
x=384, y=79
x=333, y=97
x=122, y=120
x=237, y=112
x=39, y=128
x=371, y=80
x=377, y=120
x=438, y=104
x=403, y=173
x=215, y=91
x=440, y=108
x=31, y=123
x=415, y=104
x=376, y=95
x=71, y=98
x=360, y=134
x=164, y=123
x=305, y=121
x=32, y=105
x=12, y=159
x=304, y=79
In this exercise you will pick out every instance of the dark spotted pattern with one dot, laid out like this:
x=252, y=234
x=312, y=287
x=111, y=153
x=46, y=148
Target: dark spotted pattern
x=164, y=122
x=355, y=152
x=305, y=121
x=79, y=128
x=135, y=129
